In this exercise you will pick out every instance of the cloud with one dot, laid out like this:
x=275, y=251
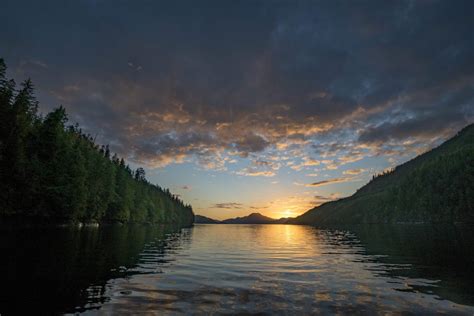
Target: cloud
x=307, y=162
x=300, y=184
x=135, y=67
x=251, y=172
x=287, y=86
x=258, y=207
x=354, y=171
x=331, y=165
x=350, y=157
x=258, y=168
x=324, y=182
x=330, y=181
x=319, y=199
x=250, y=143
x=36, y=63
x=228, y=205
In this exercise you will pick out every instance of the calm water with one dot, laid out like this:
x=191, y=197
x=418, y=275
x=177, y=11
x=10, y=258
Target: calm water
x=267, y=269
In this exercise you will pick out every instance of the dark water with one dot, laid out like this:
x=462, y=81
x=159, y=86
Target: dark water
x=267, y=269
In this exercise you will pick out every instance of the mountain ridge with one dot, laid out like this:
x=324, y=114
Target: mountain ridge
x=252, y=218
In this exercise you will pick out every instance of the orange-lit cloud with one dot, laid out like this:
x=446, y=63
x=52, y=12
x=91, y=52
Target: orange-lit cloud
x=354, y=171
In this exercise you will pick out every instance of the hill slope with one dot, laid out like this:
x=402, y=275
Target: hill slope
x=437, y=186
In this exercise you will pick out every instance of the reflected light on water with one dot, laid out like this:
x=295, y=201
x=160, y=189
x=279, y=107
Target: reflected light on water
x=274, y=269
x=267, y=269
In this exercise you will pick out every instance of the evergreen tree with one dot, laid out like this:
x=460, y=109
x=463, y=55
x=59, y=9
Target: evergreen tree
x=53, y=172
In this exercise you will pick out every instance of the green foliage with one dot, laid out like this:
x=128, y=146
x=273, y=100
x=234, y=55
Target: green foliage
x=437, y=186
x=53, y=172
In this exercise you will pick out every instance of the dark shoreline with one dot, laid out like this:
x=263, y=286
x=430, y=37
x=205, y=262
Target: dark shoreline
x=22, y=222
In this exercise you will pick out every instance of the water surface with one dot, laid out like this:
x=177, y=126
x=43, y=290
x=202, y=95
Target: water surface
x=269, y=269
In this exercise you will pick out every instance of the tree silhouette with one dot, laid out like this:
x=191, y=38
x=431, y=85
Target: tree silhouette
x=53, y=172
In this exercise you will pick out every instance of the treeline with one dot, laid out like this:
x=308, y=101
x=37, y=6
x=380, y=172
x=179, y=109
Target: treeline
x=437, y=186
x=382, y=174
x=52, y=171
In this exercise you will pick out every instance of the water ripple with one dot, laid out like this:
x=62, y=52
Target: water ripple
x=271, y=269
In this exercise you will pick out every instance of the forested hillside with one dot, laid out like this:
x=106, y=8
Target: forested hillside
x=53, y=172
x=437, y=186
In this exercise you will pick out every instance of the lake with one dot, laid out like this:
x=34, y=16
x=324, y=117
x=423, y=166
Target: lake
x=266, y=269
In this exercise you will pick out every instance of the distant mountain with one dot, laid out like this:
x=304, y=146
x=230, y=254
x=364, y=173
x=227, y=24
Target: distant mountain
x=199, y=219
x=437, y=186
x=283, y=220
x=254, y=218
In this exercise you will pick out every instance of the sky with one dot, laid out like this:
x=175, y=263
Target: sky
x=251, y=106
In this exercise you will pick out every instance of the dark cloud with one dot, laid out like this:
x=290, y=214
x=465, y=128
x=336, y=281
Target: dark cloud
x=251, y=143
x=330, y=181
x=258, y=207
x=322, y=198
x=165, y=82
x=441, y=122
x=229, y=205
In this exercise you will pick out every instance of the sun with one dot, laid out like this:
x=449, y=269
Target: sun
x=287, y=213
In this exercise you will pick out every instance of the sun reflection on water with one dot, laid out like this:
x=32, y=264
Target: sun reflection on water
x=272, y=269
